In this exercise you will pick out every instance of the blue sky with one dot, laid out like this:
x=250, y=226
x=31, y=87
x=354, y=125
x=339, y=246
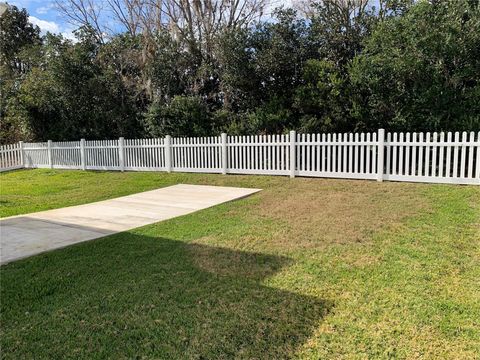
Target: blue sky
x=44, y=14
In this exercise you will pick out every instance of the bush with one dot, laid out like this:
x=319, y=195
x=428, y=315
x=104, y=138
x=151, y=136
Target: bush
x=183, y=116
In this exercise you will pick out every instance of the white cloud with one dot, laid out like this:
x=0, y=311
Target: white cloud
x=53, y=27
x=42, y=10
x=46, y=7
x=45, y=25
x=69, y=35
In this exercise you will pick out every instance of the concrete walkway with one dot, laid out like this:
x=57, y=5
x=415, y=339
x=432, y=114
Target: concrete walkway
x=27, y=235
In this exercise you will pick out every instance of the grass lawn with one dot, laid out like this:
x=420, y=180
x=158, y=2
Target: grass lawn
x=307, y=268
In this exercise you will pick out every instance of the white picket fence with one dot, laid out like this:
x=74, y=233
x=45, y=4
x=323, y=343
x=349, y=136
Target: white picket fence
x=11, y=157
x=436, y=158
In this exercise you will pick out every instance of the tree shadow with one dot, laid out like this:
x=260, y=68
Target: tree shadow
x=136, y=296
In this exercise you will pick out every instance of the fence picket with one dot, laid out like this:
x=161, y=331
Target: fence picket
x=329, y=153
x=413, y=171
x=427, y=155
x=441, y=155
x=434, y=155
x=334, y=153
x=420, y=155
x=400, y=154
x=362, y=153
x=389, y=153
x=455, y=155
x=463, y=155
x=394, y=154
x=355, y=162
x=449, y=156
x=470, y=155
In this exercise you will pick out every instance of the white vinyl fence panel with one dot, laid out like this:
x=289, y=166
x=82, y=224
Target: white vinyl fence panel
x=430, y=158
x=203, y=154
x=66, y=155
x=144, y=155
x=102, y=155
x=350, y=156
x=260, y=154
x=11, y=157
x=418, y=157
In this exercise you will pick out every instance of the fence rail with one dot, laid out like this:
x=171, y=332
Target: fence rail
x=418, y=157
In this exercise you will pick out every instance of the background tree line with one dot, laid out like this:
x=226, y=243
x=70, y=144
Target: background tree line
x=198, y=68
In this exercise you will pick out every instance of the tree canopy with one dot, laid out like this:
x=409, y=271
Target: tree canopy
x=330, y=66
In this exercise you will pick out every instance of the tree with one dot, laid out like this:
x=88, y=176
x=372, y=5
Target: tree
x=71, y=96
x=421, y=71
x=183, y=116
x=19, y=47
x=201, y=67
x=278, y=51
x=240, y=82
x=323, y=100
x=194, y=26
x=197, y=22
x=17, y=34
x=338, y=29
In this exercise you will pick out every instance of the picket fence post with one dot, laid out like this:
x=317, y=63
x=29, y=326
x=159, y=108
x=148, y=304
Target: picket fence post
x=82, y=154
x=121, y=153
x=293, y=136
x=224, y=153
x=380, y=154
x=22, y=157
x=50, y=157
x=168, y=153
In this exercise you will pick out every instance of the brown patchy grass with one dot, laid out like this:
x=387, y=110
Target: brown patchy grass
x=322, y=212
x=308, y=214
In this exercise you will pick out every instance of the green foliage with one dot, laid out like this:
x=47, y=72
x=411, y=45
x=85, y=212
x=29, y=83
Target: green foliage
x=17, y=34
x=19, y=44
x=281, y=49
x=240, y=85
x=322, y=97
x=270, y=118
x=422, y=71
x=71, y=96
x=405, y=65
x=338, y=33
x=169, y=68
x=183, y=116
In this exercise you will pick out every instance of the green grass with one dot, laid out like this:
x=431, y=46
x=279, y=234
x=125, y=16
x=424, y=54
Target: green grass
x=307, y=268
x=26, y=191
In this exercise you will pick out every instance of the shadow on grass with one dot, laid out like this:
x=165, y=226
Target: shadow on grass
x=132, y=295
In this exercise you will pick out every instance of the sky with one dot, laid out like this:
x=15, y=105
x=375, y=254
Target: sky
x=44, y=14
